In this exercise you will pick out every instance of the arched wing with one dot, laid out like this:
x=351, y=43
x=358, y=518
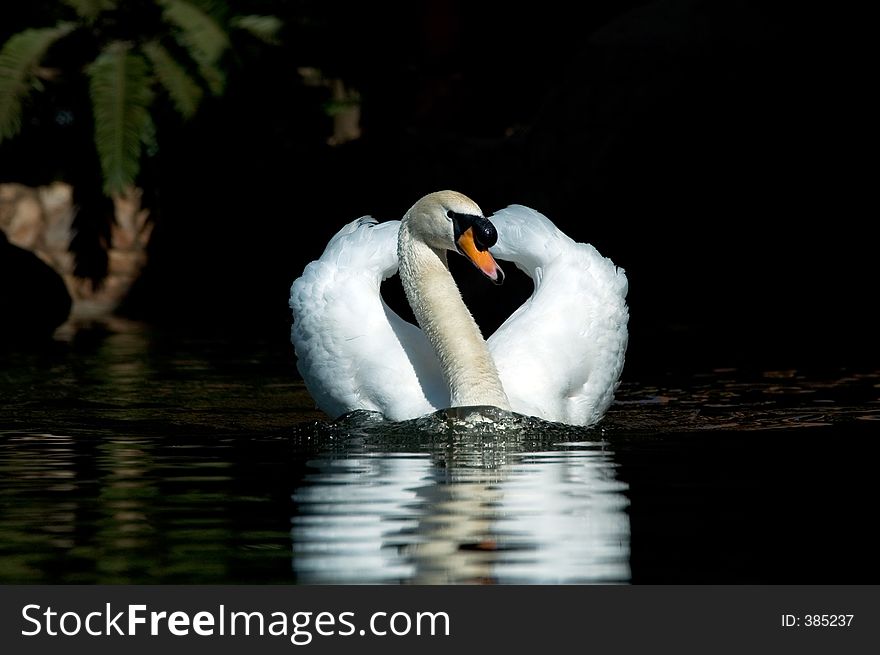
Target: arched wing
x=561, y=353
x=353, y=351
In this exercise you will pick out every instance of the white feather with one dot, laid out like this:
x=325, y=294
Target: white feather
x=559, y=356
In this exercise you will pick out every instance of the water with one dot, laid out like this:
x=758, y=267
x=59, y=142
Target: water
x=133, y=456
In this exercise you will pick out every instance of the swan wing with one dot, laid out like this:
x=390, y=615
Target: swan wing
x=353, y=351
x=560, y=354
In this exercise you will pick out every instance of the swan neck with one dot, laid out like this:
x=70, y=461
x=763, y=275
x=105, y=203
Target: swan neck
x=450, y=328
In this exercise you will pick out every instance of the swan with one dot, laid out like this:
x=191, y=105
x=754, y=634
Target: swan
x=558, y=357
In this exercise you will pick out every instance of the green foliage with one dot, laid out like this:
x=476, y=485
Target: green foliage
x=121, y=95
x=181, y=55
x=203, y=38
x=19, y=60
x=90, y=9
x=265, y=28
x=185, y=93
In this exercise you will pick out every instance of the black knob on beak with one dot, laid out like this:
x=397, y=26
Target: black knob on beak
x=485, y=234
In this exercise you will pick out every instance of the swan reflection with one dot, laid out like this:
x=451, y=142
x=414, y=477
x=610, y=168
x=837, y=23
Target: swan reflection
x=467, y=510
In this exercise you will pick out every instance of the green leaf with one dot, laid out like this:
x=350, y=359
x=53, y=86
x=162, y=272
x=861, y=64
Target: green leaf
x=184, y=92
x=19, y=59
x=265, y=28
x=202, y=36
x=90, y=9
x=121, y=97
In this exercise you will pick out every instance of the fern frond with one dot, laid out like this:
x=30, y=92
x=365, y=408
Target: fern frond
x=265, y=28
x=19, y=58
x=121, y=97
x=184, y=92
x=90, y=9
x=202, y=36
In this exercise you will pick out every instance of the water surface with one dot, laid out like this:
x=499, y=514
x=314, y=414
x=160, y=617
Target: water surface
x=132, y=456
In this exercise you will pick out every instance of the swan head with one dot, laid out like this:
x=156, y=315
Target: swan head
x=448, y=220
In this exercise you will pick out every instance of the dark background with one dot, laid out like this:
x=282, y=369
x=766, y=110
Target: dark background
x=714, y=149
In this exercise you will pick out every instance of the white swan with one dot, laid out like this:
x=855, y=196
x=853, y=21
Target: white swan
x=558, y=357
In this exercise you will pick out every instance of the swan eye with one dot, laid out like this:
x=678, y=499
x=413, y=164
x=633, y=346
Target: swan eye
x=450, y=214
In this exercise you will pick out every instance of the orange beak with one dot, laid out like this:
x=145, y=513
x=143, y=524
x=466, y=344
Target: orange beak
x=482, y=259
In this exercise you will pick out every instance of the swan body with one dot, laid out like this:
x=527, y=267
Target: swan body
x=558, y=357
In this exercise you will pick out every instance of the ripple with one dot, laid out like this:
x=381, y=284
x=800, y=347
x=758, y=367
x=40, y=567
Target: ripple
x=126, y=459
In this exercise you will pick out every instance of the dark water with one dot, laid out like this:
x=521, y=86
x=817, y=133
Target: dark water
x=130, y=456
